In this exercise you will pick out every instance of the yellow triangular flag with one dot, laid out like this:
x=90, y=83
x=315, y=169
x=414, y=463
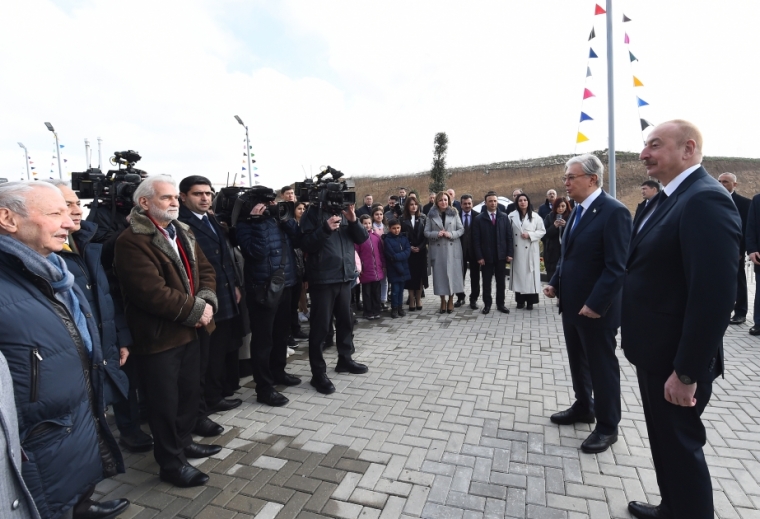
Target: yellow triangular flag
x=581, y=138
x=636, y=82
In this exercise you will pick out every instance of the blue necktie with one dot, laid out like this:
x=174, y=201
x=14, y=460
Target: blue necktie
x=171, y=232
x=208, y=223
x=577, y=218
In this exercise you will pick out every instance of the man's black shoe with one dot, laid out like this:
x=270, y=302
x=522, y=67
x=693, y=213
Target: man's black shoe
x=286, y=379
x=137, y=442
x=647, y=511
x=201, y=450
x=224, y=404
x=503, y=309
x=598, y=442
x=350, y=366
x=473, y=306
x=571, y=416
x=207, y=427
x=486, y=309
x=322, y=384
x=291, y=341
x=755, y=330
x=458, y=303
x=300, y=335
x=272, y=398
x=104, y=509
x=520, y=306
x=187, y=476
x=737, y=319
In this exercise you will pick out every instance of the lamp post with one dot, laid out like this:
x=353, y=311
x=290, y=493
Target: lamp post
x=26, y=154
x=247, y=145
x=610, y=106
x=57, y=149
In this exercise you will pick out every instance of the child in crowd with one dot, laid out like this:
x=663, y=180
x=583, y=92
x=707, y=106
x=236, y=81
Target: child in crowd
x=373, y=263
x=397, y=252
x=378, y=227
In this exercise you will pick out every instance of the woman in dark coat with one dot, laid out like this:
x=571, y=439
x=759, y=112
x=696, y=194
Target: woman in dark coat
x=555, y=226
x=413, y=226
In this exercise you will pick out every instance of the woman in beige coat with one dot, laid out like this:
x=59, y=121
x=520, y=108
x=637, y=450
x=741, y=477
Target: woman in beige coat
x=443, y=229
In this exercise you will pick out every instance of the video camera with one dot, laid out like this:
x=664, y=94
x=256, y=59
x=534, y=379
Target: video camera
x=114, y=189
x=235, y=203
x=331, y=195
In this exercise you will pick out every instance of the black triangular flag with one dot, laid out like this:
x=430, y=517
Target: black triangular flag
x=592, y=35
x=645, y=124
x=626, y=19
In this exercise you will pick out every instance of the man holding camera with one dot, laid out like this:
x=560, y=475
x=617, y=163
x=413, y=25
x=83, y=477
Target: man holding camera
x=267, y=244
x=328, y=240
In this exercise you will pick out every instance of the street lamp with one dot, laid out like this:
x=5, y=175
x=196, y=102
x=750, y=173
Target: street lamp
x=247, y=145
x=57, y=149
x=26, y=154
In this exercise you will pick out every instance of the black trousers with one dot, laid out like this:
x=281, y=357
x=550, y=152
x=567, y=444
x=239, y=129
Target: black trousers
x=269, y=340
x=676, y=437
x=172, y=380
x=595, y=371
x=326, y=301
x=295, y=297
x=126, y=412
x=742, y=300
x=472, y=263
x=496, y=269
x=217, y=362
x=371, y=297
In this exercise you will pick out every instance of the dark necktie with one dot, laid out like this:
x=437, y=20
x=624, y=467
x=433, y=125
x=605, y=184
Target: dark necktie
x=493, y=218
x=577, y=218
x=171, y=232
x=466, y=220
x=208, y=223
x=649, y=210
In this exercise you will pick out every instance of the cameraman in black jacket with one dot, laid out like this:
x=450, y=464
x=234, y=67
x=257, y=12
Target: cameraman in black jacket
x=328, y=241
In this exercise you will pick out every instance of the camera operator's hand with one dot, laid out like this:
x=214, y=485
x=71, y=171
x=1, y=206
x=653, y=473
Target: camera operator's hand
x=350, y=213
x=258, y=210
x=334, y=222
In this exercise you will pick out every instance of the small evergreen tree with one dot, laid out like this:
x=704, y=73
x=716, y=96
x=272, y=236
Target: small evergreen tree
x=438, y=173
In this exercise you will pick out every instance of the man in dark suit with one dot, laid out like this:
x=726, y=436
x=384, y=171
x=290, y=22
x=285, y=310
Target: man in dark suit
x=217, y=354
x=517, y=192
x=468, y=215
x=679, y=289
x=752, y=241
x=649, y=190
x=430, y=204
x=366, y=208
x=493, y=246
x=742, y=205
x=546, y=207
x=588, y=281
x=401, y=197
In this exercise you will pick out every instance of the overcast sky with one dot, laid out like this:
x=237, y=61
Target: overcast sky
x=362, y=86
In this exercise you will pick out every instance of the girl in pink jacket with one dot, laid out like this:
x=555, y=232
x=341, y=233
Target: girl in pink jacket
x=373, y=266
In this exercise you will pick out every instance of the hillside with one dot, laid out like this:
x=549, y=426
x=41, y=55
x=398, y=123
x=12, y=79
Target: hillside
x=536, y=176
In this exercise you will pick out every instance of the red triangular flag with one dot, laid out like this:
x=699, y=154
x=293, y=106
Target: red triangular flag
x=587, y=93
x=599, y=10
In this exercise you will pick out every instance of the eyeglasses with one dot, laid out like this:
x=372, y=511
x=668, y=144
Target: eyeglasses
x=565, y=178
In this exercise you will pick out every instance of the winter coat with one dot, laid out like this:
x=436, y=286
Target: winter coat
x=372, y=257
x=160, y=311
x=263, y=248
x=525, y=275
x=481, y=242
x=330, y=254
x=417, y=260
x=397, y=251
x=214, y=247
x=91, y=278
x=445, y=253
x=62, y=428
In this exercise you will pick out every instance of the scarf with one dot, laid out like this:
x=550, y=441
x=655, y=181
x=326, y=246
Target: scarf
x=53, y=270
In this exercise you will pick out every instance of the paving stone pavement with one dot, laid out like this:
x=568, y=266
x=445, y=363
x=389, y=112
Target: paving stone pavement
x=452, y=421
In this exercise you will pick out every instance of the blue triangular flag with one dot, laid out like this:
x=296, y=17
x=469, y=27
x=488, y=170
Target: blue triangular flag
x=243, y=168
x=586, y=117
x=591, y=53
x=641, y=102
x=61, y=145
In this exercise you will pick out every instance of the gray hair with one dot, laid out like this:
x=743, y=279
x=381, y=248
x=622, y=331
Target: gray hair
x=57, y=182
x=13, y=195
x=590, y=164
x=727, y=174
x=147, y=187
x=551, y=191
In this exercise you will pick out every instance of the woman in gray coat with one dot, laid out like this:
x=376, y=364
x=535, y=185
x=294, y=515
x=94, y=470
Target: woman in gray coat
x=443, y=230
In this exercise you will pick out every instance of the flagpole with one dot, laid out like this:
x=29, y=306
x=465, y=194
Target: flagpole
x=247, y=147
x=26, y=154
x=610, y=104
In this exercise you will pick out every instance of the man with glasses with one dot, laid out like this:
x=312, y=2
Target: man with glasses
x=589, y=280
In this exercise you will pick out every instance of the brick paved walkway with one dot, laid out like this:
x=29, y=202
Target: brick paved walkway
x=452, y=421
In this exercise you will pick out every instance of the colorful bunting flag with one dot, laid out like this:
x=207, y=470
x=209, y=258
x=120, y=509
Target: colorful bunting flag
x=599, y=10
x=586, y=117
x=243, y=168
x=637, y=82
x=627, y=40
x=587, y=93
x=592, y=35
x=645, y=124
x=626, y=19
x=591, y=53
x=581, y=138
x=61, y=145
x=588, y=71
x=641, y=102
x=633, y=58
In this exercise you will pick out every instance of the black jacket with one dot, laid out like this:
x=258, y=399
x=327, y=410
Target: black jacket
x=330, y=255
x=466, y=239
x=261, y=242
x=214, y=247
x=482, y=246
x=742, y=204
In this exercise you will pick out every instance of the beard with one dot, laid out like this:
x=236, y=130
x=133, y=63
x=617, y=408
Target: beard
x=163, y=215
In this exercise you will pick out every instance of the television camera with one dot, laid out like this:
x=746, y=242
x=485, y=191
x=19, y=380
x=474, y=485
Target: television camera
x=328, y=194
x=114, y=189
x=235, y=203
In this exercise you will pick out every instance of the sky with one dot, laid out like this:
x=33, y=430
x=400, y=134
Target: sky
x=362, y=86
